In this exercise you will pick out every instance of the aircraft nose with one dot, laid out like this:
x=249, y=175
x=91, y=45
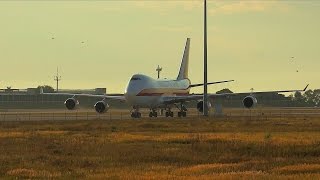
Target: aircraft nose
x=132, y=89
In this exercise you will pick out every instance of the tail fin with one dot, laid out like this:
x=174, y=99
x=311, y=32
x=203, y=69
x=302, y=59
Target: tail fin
x=183, y=72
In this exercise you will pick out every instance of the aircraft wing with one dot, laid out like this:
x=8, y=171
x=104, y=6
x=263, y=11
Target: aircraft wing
x=209, y=83
x=257, y=92
x=181, y=99
x=191, y=97
x=105, y=96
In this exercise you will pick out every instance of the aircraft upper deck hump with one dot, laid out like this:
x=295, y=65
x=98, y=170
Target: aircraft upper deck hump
x=183, y=72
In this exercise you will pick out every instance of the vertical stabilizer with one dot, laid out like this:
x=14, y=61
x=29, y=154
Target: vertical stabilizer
x=183, y=72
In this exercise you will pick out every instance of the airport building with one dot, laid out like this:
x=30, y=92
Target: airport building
x=31, y=98
x=34, y=91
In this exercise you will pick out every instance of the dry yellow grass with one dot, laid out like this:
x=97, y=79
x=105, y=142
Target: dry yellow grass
x=298, y=168
x=299, y=138
x=13, y=134
x=31, y=173
x=161, y=149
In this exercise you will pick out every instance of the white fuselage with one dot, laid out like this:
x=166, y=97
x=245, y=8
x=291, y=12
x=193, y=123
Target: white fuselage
x=144, y=91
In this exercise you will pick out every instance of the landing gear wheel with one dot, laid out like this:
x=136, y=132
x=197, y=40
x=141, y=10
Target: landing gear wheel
x=136, y=115
x=169, y=114
x=182, y=114
x=155, y=114
x=182, y=110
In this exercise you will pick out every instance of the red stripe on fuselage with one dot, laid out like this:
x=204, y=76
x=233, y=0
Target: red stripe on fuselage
x=162, y=92
x=150, y=94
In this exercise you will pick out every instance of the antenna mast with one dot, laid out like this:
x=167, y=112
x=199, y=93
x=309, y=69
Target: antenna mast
x=57, y=78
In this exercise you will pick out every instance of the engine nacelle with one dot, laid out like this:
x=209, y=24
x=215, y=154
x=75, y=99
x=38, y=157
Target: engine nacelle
x=249, y=102
x=101, y=107
x=71, y=103
x=200, y=106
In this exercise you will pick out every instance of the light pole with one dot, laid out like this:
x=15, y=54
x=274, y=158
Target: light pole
x=205, y=74
x=57, y=78
x=159, y=69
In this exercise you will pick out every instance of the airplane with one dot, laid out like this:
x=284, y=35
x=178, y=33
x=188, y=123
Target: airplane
x=146, y=92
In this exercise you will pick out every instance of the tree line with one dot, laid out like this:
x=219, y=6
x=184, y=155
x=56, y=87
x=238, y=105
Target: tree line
x=308, y=98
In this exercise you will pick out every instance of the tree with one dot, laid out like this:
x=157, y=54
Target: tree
x=309, y=98
x=223, y=91
x=316, y=93
x=298, y=95
x=299, y=99
x=46, y=89
x=291, y=97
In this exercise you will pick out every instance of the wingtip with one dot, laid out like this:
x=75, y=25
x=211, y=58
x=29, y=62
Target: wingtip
x=306, y=87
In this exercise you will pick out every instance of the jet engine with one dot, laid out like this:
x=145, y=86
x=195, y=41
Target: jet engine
x=71, y=103
x=249, y=102
x=101, y=107
x=200, y=106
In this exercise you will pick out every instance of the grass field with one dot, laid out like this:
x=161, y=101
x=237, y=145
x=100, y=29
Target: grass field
x=161, y=149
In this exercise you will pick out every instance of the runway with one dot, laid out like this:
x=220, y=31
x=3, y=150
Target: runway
x=117, y=114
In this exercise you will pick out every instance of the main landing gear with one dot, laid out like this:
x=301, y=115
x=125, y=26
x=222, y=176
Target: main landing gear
x=183, y=111
x=182, y=114
x=153, y=113
x=169, y=113
x=135, y=113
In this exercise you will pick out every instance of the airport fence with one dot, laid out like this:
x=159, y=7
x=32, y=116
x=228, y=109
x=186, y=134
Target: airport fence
x=123, y=115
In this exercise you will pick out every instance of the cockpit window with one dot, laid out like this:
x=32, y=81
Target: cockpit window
x=135, y=78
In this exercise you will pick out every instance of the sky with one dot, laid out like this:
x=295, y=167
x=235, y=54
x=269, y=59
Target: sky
x=259, y=44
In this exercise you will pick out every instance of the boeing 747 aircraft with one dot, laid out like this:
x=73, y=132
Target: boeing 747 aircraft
x=146, y=92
